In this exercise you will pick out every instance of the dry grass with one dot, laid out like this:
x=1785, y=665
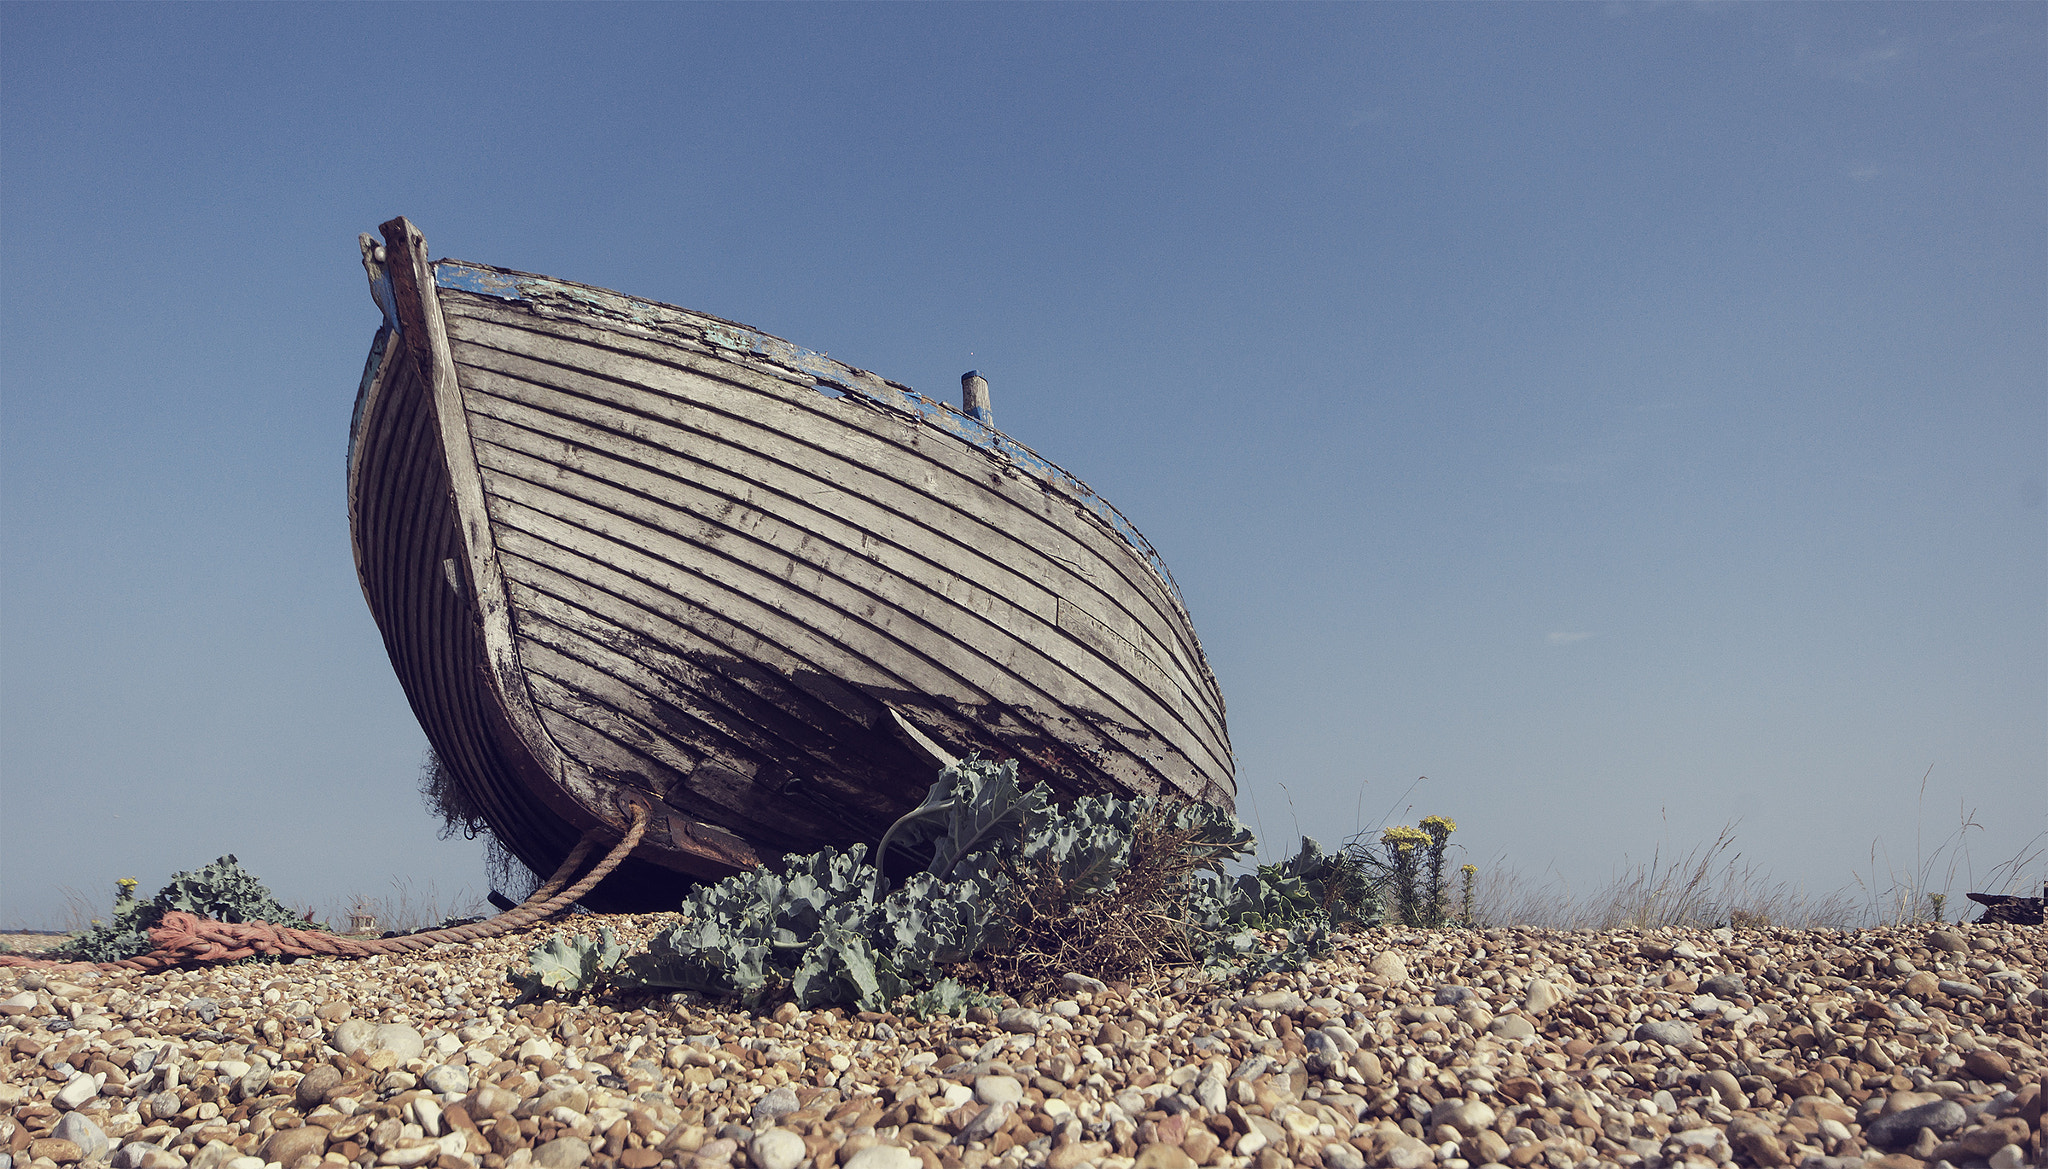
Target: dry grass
x=1909, y=892
x=1708, y=886
x=1128, y=932
x=410, y=906
x=1713, y=885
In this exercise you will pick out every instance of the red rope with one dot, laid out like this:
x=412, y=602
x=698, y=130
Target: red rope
x=184, y=939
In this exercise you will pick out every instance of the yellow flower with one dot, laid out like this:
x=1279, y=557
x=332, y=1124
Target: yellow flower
x=1402, y=836
x=1468, y=870
x=1439, y=825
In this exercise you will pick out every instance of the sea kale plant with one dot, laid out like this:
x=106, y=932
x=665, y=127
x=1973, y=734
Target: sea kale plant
x=1009, y=889
x=220, y=891
x=569, y=967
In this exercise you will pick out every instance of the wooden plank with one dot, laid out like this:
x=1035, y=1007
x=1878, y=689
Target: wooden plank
x=752, y=710
x=426, y=338
x=647, y=738
x=401, y=492
x=1021, y=644
x=752, y=608
x=631, y=324
x=833, y=594
x=575, y=360
x=661, y=443
x=786, y=713
x=412, y=534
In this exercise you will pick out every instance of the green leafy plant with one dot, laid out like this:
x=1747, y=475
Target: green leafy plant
x=219, y=891
x=569, y=967
x=816, y=929
x=1341, y=884
x=1023, y=888
x=949, y=996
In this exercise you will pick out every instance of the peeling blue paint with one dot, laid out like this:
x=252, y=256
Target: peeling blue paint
x=833, y=379
x=482, y=281
x=387, y=300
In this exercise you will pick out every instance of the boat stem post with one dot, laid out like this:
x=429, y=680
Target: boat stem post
x=974, y=396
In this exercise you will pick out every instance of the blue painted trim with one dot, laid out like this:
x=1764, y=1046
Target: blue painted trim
x=833, y=379
x=380, y=291
x=483, y=281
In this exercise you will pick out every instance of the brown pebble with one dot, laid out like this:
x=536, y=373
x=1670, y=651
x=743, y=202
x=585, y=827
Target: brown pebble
x=56, y=1149
x=1754, y=1141
x=286, y=1146
x=319, y=1085
x=1163, y=1156
x=1986, y=1064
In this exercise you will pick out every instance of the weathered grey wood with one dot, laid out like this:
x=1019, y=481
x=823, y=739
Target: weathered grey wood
x=975, y=400
x=623, y=553
x=653, y=377
x=612, y=425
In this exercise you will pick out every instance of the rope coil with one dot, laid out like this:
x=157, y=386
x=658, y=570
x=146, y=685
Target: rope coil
x=184, y=939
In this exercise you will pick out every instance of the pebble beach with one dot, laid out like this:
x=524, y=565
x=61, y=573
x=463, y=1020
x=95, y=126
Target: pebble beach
x=1899, y=1047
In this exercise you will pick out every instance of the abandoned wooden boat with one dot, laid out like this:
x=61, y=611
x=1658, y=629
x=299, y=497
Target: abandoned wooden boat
x=623, y=553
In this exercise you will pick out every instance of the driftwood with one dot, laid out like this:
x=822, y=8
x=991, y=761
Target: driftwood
x=2011, y=910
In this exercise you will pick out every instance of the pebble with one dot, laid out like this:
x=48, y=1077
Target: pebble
x=1764, y=1047
x=986, y=1123
x=1160, y=1155
x=998, y=1090
x=1074, y=982
x=1019, y=1021
x=145, y=1155
x=1543, y=995
x=1899, y=1129
x=75, y=1092
x=777, y=1148
x=772, y=1107
x=1388, y=967
x=1668, y=1032
x=446, y=1078
x=287, y=1145
x=1287, y=1002
x=1986, y=1064
x=882, y=1157
x=89, y=1138
x=400, y=1039
x=1726, y=986
x=55, y=1149
x=1512, y=1027
x=561, y=1153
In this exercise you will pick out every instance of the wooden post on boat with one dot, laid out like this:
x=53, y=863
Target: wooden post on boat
x=974, y=396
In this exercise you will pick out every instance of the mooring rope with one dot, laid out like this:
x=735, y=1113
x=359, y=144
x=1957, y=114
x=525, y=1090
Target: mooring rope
x=184, y=939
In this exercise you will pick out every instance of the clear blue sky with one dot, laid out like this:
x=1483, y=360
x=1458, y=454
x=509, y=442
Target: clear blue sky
x=1632, y=418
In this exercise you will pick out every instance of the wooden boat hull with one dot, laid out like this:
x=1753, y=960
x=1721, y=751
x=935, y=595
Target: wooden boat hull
x=622, y=553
